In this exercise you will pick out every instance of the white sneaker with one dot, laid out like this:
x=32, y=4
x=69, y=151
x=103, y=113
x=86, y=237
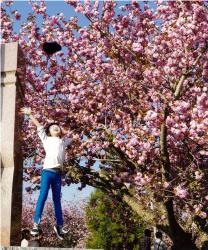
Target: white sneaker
x=60, y=231
x=35, y=230
x=64, y=230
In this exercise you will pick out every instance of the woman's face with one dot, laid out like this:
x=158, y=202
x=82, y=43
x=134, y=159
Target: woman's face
x=55, y=130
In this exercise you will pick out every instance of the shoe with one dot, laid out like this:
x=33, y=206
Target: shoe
x=35, y=230
x=60, y=232
x=64, y=231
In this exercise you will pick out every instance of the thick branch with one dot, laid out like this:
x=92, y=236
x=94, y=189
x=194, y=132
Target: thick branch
x=165, y=160
x=103, y=181
x=178, y=89
x=147, y=215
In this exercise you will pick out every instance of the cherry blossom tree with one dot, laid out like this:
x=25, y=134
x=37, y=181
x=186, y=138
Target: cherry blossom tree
x=132, y=90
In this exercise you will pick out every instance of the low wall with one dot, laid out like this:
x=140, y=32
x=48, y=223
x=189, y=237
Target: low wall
x=43, y=248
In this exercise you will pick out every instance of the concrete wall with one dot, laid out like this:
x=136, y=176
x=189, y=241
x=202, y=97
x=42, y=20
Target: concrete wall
x=42, y=248
x=11, y=157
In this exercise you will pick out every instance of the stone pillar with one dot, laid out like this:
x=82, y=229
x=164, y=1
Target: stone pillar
x=12, y=70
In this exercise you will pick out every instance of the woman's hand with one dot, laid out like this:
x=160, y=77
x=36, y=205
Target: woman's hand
x=26, y=111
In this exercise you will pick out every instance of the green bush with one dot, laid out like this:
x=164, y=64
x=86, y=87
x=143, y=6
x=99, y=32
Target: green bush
x=112, y=224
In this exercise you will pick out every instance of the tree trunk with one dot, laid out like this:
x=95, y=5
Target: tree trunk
x=181, y=239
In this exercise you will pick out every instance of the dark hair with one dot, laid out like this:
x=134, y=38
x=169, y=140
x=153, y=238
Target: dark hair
x=25, y=234
x=47, y=129
x=147, y=232
x=158, y=235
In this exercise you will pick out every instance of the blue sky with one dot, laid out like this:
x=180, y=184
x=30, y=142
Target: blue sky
x=54, y=7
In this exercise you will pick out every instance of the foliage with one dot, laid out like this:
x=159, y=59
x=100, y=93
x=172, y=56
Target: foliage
x=111, y=223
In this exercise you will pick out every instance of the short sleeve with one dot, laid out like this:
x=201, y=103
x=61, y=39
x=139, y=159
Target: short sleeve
x=42, y=134
x=67, y=141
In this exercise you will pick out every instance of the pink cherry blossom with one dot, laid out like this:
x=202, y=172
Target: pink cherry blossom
x=181, y=192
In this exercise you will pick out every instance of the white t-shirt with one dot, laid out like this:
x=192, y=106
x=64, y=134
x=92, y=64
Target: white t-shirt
x=54, y=147
x=160, y=245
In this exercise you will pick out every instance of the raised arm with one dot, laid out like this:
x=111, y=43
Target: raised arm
x=28, y=111
x=40, y=129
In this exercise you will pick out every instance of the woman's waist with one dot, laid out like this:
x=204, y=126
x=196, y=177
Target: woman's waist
x=54, y=157
x=55, y=170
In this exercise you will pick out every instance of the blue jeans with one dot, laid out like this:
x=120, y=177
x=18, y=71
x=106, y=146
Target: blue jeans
x=53, y=179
